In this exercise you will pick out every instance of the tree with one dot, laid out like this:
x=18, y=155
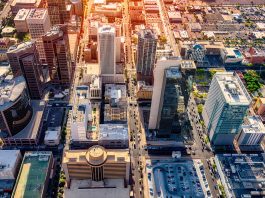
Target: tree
x=61, y=182
x=162, y=39
x=200, y=108
x=1, y=143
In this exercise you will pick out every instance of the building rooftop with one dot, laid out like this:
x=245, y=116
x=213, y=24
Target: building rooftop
x=174, y=15
x=113, y=155
x=32, y=130
x=232, y=88
x=95, y=82
x=141, y=85
x=20, y=46
x=54, y=31
x=82, y=114
x=39, y=13
x=113, y=132
x=111, y=188
x=10, y=89
x=241, y=174
x=187, y=64
x=115, y=91
x=253, y=124
x=15, y=2
x=22, y=15
x=106, y=29
x=8, y=159
x=32, y=174
x=147, y=34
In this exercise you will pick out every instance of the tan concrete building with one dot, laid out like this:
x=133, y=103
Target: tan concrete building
x=97, y=164
x=143, y=91
x=16, y=5
x=38, y=24
x=20, y=20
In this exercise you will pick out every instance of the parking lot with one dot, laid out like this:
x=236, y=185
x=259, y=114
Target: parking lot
x=182, y=178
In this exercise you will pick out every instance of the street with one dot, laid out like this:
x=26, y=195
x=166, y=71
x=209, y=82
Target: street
x=199, y=149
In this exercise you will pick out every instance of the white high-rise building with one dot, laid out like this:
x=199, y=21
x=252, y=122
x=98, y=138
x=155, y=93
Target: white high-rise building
x=225, y=108
x=107, y=50
x=166, y=94
x=39, y=24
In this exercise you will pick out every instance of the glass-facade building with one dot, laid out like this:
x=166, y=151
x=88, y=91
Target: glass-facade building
x=169, y=105
x=225, y=108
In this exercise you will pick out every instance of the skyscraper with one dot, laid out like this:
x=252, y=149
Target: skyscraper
x=106, y=50
x=38, y=24
x=146, y=53
x=58, y=11
x=225, y=108
x=56, y=46
x=24, y=60
x=166, y=96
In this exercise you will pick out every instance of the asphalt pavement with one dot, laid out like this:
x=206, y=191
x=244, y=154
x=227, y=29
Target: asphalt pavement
x=199, y=150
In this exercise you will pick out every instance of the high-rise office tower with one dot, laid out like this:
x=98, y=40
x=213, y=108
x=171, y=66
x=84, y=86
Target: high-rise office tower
x=106, y=50
x=146, y=54
x=56, y=46
x=58, y=11
x=166, y=96
x=24, y=60
x=225, y=108
x=38, y=24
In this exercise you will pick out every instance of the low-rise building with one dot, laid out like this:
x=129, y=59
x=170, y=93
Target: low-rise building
x=8, y=31
x=254, y=56
x=10, y=161
x=20, y=20
x=241, y=175
x=231, y=55
x=174, y=17
x=143, y=91
x=212, y=48
x=95, y=87
x=34, y=175
x=81, y=126
x=115, y=103
x=113, y=136
x=260, y=26
x=259, y=106
x=251, y=135
x=195, y=27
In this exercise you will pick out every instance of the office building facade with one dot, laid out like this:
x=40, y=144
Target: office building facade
x=225, y=108
x=252, y=133
x=24, y=60
x=106, y=50
x=166, y=96
x=38, y=24
x=56, y=46
x=58, y=12
x=146, y=54
x=97, y=164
